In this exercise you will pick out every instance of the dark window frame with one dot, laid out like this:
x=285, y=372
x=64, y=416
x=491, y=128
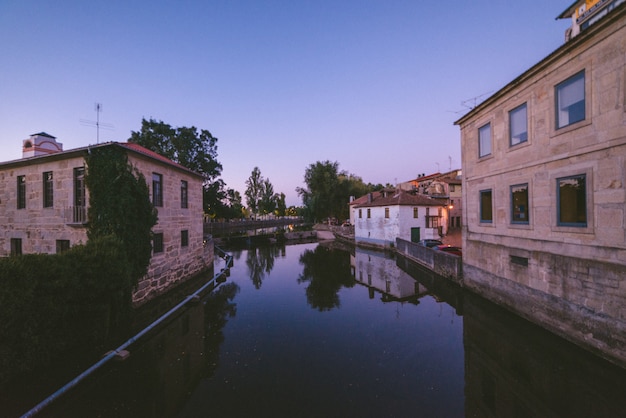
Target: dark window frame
x=16, y=246
x=483, y=218
x=62, y=245
x=577, y=109
x=184, y=194
x=483, y=128
x=48, y=189
x=157, y=189
x=523, y=134
x=21, y=192
x=184, y=238
x=520, y=210
x=581, y=199
x=157, y=243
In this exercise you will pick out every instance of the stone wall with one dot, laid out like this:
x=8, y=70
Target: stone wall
x=446, y=265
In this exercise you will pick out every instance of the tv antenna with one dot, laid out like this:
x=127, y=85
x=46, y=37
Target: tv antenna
x=471, y=103
x=97, y=124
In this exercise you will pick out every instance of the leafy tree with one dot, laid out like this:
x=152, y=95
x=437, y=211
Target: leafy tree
x=267, y=202
x=193, y=149
x=328, y=191
x=281, y=206
x=254, y=189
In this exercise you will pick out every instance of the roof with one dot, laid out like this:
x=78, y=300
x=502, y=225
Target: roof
x=395, y=198
x=567, y=13
x=44, y=134
x=153, y=155
x=75, y=152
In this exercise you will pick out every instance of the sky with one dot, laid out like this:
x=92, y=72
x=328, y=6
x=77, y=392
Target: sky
x=372, y=85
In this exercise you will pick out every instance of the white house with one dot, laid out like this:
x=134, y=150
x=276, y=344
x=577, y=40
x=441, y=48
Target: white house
x=381, y=217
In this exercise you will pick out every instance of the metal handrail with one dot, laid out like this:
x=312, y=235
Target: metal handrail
x=112, y=354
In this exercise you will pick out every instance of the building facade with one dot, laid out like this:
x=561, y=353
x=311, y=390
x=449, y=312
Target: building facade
x=544, y=203
x=381, y=217
x=44, y=201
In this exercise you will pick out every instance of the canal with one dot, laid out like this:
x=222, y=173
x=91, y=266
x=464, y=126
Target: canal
x=317, y=330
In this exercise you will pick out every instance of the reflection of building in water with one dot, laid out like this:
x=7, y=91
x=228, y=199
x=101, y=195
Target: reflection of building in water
x=517, y=369
x=379, y=272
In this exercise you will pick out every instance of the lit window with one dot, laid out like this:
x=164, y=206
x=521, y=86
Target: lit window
x=518, y=125
x=157, y=189
x=519, y=204
x=570, y=100
x=572, y=201
x=484, y=140
x=486, y=212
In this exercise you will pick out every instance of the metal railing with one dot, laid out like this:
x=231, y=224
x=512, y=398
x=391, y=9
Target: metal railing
x=120, y=351
x=76, y=215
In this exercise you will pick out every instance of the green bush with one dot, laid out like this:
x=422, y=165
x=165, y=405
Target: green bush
x=51, y=303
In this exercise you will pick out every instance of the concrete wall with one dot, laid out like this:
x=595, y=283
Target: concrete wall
x=571, y=280
x=446, y=265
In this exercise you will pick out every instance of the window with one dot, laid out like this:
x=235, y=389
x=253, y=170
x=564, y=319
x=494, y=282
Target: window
x=415, y=212
x=369, y=213
x=79, y=186
x=62, y=245
x=184, y=238
x=486, y=214
x=157, y=189
x=21, y=192
x=48, y=197
x=387, y=213
x=518, y=125
x=183, y=194
x=360, y=213
x=570, y=100
x=157, y=243
x=484, y=140
x=16, y=246
x=572, y=201
x=519, y=204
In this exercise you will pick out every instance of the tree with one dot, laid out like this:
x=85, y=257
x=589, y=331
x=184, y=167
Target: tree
x=281, y=206
x=254, y=186
x=267, y=202
x=328, y=191
x=194, y=150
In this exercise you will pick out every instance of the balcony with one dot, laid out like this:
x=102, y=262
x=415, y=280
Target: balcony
x=75, y=215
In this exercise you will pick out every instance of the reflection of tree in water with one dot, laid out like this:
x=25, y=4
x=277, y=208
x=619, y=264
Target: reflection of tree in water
x=260, y=261
x=217, y=309
x=326, y=270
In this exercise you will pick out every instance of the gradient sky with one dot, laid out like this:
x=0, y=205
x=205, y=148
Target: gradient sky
x=372, y=85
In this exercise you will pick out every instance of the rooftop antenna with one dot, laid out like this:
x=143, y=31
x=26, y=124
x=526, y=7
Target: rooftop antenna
x=97, y=124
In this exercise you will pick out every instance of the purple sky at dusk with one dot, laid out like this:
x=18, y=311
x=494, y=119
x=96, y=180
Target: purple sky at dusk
x=373, y=85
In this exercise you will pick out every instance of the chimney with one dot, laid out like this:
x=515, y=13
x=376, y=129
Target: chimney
x=40, y=144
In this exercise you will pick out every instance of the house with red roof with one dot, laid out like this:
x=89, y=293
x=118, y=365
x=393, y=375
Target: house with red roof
x=381, y=217
x=44, y=201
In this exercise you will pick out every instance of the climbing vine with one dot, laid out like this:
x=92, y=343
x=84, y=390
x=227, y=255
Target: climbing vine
x=119, y=205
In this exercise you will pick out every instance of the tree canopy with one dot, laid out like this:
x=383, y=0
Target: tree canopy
x=328, y=191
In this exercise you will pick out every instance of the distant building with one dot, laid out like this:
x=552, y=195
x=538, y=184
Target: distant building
x=381, y=217
x=44, y=201
x=447, y=187
x=544, y=202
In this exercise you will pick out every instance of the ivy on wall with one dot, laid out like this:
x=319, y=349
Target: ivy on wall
x=119, y=204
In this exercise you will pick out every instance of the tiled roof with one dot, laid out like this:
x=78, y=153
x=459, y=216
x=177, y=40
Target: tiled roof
x=151, y=154
x=395, y=198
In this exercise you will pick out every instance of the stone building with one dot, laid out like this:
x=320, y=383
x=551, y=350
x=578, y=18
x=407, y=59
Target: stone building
x=544, y=203
x=44, y=201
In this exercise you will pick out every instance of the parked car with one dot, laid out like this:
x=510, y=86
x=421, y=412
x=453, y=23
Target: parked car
x=430, y=243
x=449, y=249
